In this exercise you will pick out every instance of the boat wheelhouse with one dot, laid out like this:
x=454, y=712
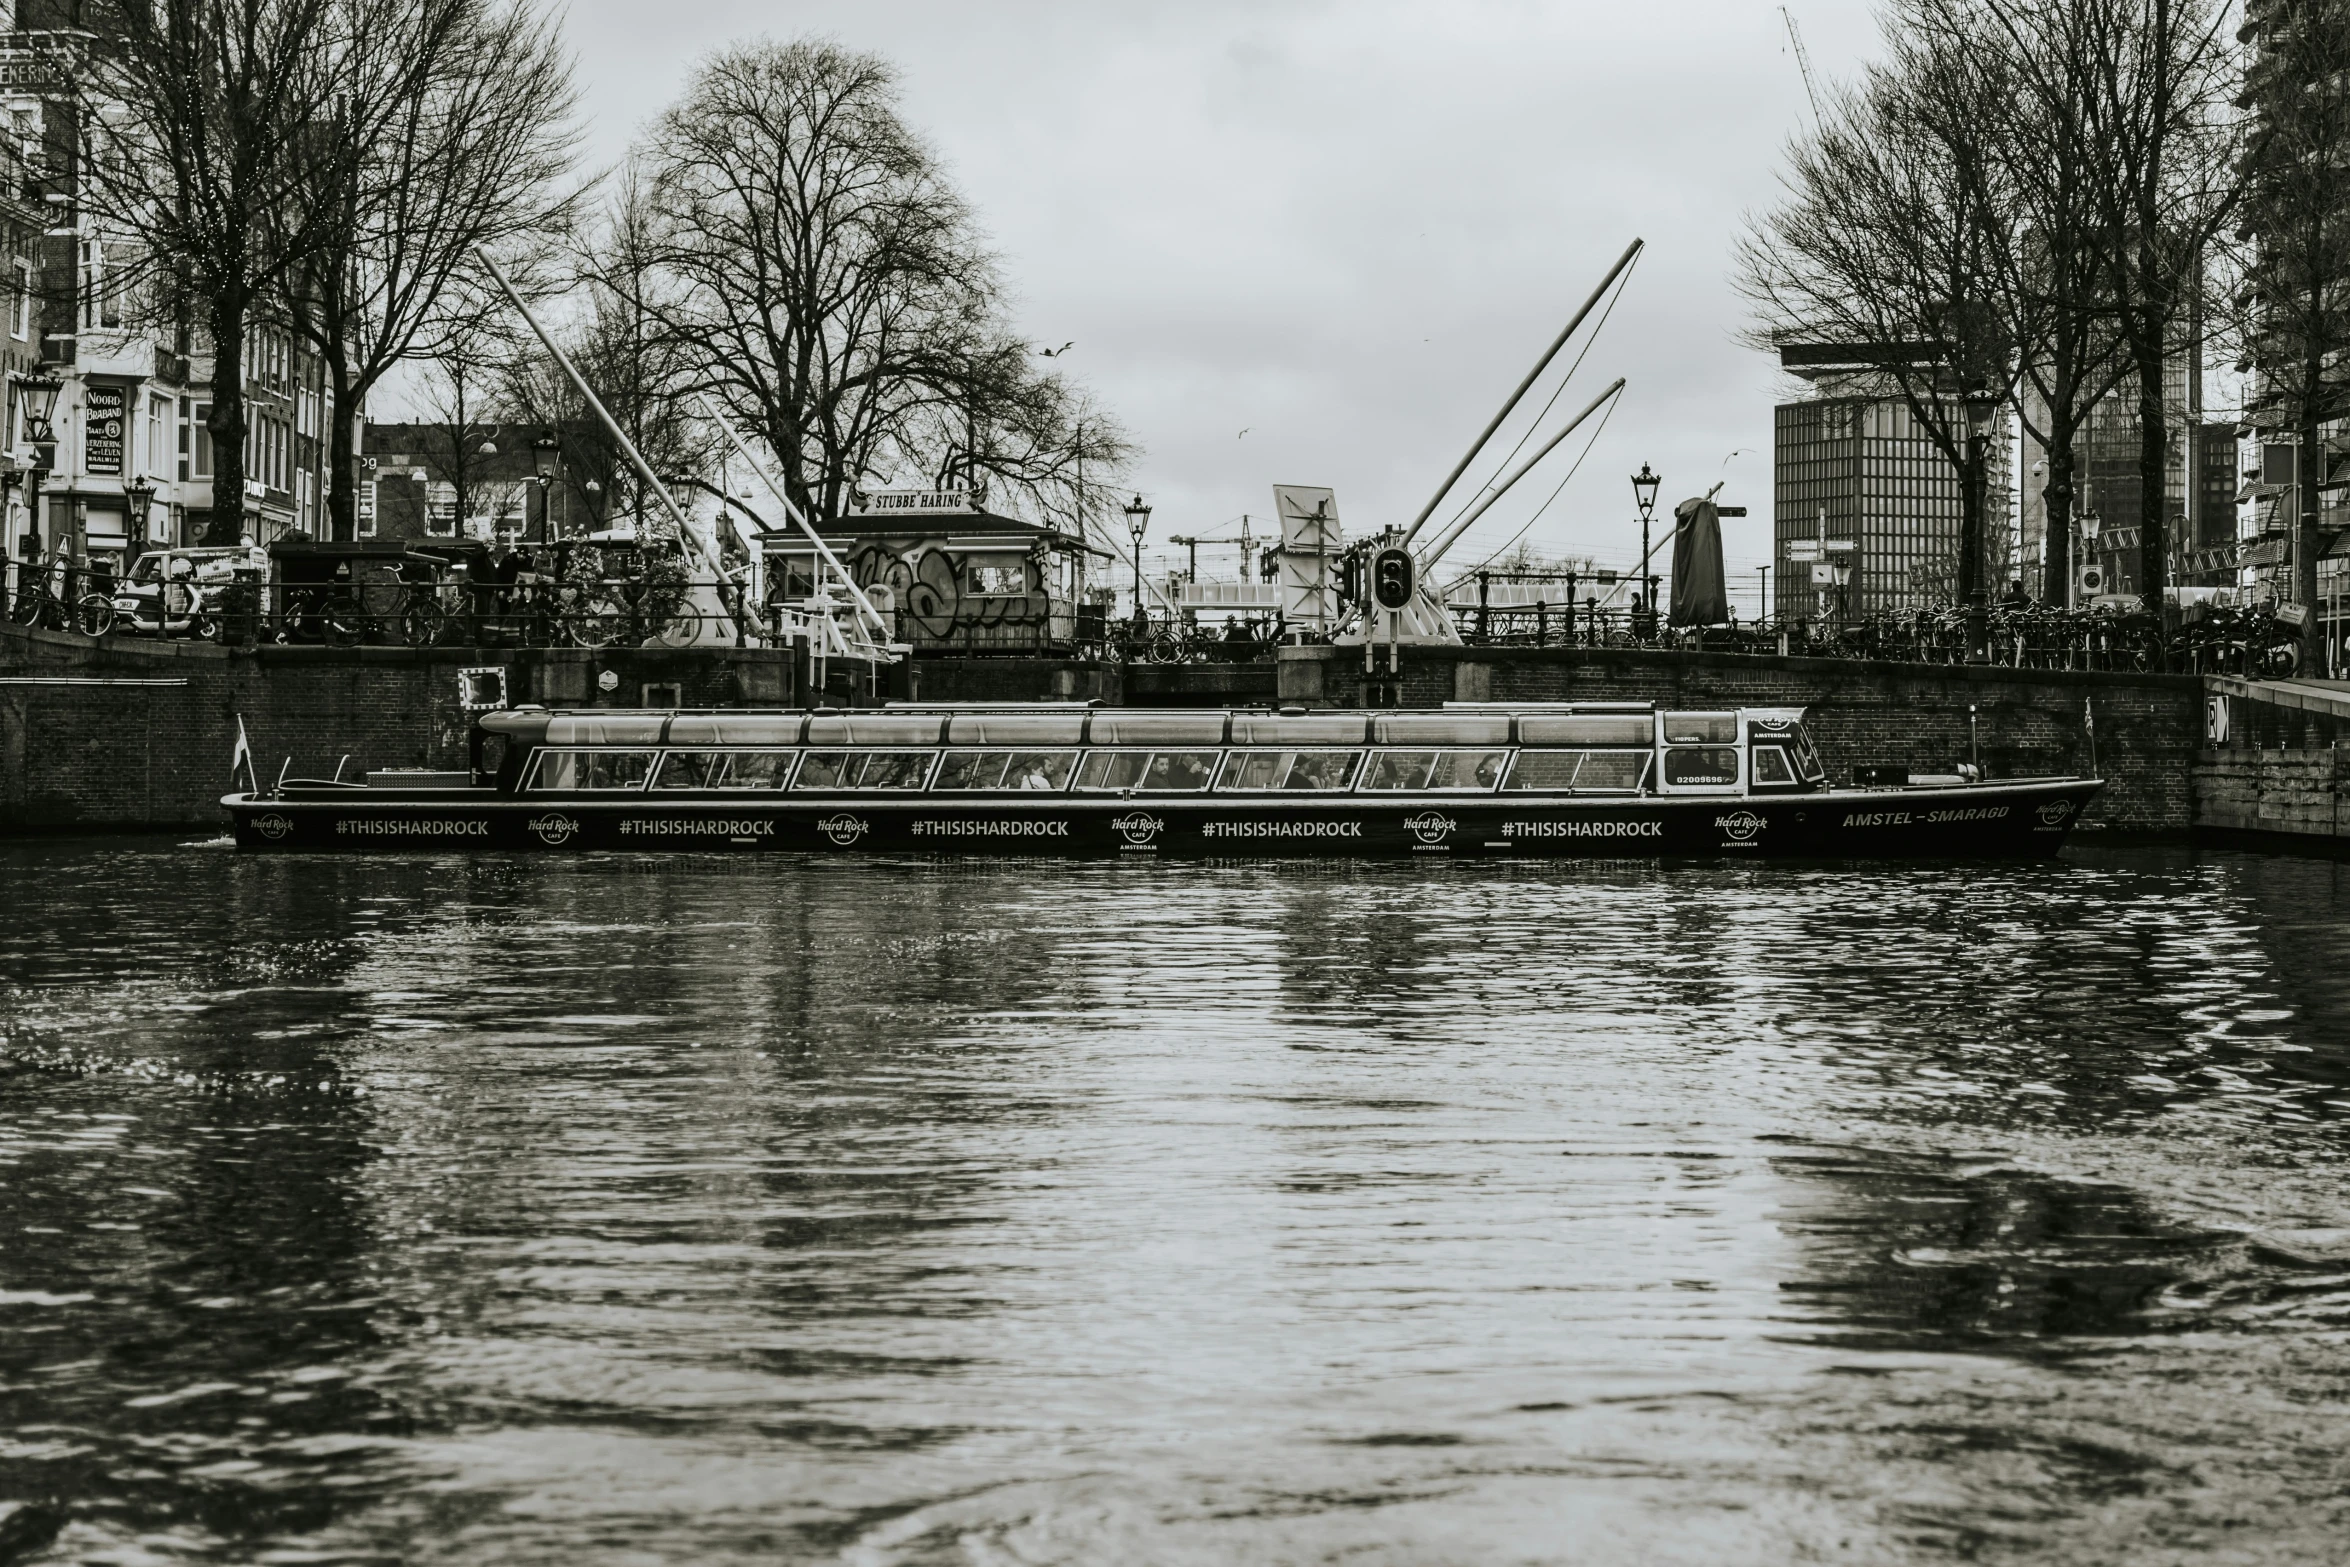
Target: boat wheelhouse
x=1491, y=780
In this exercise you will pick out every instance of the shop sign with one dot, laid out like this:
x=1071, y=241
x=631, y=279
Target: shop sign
x=102, y=429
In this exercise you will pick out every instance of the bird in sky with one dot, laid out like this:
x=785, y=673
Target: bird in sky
x=1740, y=451
x=1244, y=432
x=1055, y=353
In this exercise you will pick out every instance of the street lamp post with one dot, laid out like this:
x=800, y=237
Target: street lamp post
x=546, y=453
x=140, y=493
x=38, y=394
x=1644, y=488
x=1138, y=521
x=1980, y=410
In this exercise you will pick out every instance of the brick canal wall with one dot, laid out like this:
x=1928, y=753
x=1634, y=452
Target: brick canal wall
x=123, y=733
x=2301, y=795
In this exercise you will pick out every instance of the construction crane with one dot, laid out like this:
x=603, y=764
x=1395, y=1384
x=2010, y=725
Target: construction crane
x=1802, y=62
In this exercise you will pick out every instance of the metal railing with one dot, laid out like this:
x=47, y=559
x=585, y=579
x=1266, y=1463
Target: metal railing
x=388, y=611
x=545, y=611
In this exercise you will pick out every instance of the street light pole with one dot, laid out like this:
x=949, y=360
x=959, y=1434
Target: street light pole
x=38, y=394
x=1138, y=520
x=546, y=454
x=140, y=492
x=1644, y=488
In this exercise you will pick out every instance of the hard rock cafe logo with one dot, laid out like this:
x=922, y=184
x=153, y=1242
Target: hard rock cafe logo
x=1774, y=725
x=273, y=826
x=1139, y=828
x=554, y=829
x=1741, y=825
x=2056, y=811
x=844, y=829
x=1430, y=827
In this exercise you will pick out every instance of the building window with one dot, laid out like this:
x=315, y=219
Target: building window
x=158, y=463
x=440, y=508
x=202, y=430
x=101, y=295
x=20, y=310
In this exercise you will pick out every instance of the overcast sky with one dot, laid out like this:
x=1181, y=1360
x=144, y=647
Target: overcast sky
x=1346, y=229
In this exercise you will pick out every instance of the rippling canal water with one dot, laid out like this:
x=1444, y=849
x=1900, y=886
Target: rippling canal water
x=542, y=1210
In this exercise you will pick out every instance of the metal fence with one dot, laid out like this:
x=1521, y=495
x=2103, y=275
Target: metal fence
x=588, y=611
x=532, y=611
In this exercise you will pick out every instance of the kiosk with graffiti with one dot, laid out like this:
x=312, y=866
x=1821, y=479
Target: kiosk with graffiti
x=959, y=576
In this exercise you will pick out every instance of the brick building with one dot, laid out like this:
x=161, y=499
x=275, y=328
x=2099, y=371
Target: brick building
x=437, y=481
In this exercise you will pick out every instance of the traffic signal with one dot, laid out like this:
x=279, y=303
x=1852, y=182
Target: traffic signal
x=1391, y=579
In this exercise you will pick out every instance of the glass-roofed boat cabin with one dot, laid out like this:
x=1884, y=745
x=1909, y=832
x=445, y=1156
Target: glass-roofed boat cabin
x=1581, y=750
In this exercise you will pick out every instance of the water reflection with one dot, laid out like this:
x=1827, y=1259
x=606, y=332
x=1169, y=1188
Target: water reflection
x=675, y=1209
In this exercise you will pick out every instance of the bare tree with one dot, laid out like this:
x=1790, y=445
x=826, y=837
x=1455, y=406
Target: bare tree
x=833, y=293
x=640, y=372
x=205, y=120
x=2155, y=96
x=2296, y=293
x=2050, y=269
x=461, y=395
x=1889, y=247
x=454, y=134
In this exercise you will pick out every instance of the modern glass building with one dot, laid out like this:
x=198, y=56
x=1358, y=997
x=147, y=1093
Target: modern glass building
x=1863, y=468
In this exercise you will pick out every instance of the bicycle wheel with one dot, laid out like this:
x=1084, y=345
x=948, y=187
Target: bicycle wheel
x=595, y=620
x=94, y=615
x=25, y=608
x=1165, y=649
x=422, y=622
x=679, y=628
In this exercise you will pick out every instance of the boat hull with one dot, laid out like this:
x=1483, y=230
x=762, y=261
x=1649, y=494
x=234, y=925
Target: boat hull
x=2014, y=819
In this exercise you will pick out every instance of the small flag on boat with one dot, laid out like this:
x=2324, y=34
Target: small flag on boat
x=2088, y=716
x=242, y=756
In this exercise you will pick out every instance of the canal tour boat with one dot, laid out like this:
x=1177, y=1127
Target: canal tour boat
x=1492, y=781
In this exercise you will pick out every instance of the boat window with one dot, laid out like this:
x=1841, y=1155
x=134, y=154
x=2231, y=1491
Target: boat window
x=876, y=729
x=724, y=770
x=1587, y=729
x=605, y=728
x=1157, y=729
x=1158, y=772
x=864, y=770
x=1298, y=728
x=896, y=770
x=1293, y=772
x=758, y=769
x=1581, y=772
x=1179, y=772
x=1701, y=764
x=691, y=770
x=1025, y=770
x=735, y=729
x=1419, y=770
x=1016, y=728
x=1700, y=729
x=568, y=770
x=1441, y=728
x=1771, y=766
x=1807, y=756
